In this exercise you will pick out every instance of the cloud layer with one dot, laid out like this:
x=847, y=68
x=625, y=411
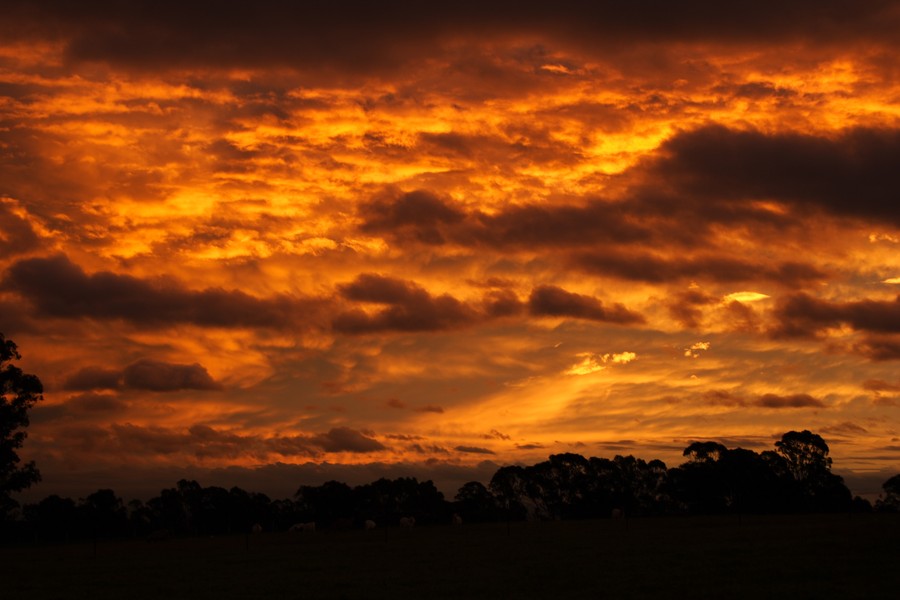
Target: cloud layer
x=238, y=235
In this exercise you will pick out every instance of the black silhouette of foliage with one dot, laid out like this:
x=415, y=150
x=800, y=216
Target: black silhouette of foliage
x=890, y=501
x=18, y=393
x=713, y=480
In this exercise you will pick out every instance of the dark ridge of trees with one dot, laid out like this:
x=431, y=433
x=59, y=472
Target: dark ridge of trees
x=794, y=478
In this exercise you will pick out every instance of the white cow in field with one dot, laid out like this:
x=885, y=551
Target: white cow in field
x=369, y=524
x=407, y=522
x=298, y=527
x=256, y=528
x=456, y=520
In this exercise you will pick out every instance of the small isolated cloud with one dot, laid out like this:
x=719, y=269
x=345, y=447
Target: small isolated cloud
x=694, y=350
x=167, y=377
x=883, y=237
x=593, y=363
x=776, y=401
x=557, y=69
x=493, y=434
x=846, y=428
x=745, y=297
x=552, y=301
x=396, y=403
x=529, y=446
x=473, y=450
x=344, y=439
x=406, y=307
x=145, y=374
x=590, y=363
x=430, y=408
x=789, y=401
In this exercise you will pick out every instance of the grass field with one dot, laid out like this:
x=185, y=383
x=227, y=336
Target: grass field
x=758, y=557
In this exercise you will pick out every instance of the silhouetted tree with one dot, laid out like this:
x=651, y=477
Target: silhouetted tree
x=18, y=393
x=508, y=485
x=475, y=503
x=699, y=484
x=326, y=503
x=890, y=501
x=104, y=513
x=806, y=455
x=53, y=518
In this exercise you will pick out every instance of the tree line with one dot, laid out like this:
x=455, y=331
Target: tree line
x=794, y=477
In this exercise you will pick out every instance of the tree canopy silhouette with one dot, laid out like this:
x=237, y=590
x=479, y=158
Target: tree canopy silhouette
x=18, y=393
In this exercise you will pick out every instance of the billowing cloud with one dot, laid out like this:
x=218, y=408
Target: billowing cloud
x=344, y=439
x=552, y=301
x=803, y=315
x=165, y=377
x=57, y=287
x=418, y=215
x=719, y=164
x=409, y=307
x=145, y=374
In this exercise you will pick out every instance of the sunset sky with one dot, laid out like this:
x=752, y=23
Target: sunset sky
x=274, y=243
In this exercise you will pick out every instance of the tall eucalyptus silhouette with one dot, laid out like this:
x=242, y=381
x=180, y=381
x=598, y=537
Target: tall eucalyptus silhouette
x=18, y=393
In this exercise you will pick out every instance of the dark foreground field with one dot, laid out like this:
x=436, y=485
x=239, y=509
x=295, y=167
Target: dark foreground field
x=760, y=557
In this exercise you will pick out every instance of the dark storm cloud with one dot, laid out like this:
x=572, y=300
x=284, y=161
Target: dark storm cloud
x=363, y=36
x=597, y=236
x=415, y=215
x=473, y=450
x=344, y=439
x=144, y=374
x=801, y=315
x=424, y=217
x=552, y=301
x=56, y=287
x=594, y=223
x=409, y=307
x=165, y=377
x=852, y=174
x=501, y=303
x=776, y=401
x=656, y=269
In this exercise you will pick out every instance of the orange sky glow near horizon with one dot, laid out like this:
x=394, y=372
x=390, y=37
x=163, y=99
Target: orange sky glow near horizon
x=369, y=240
